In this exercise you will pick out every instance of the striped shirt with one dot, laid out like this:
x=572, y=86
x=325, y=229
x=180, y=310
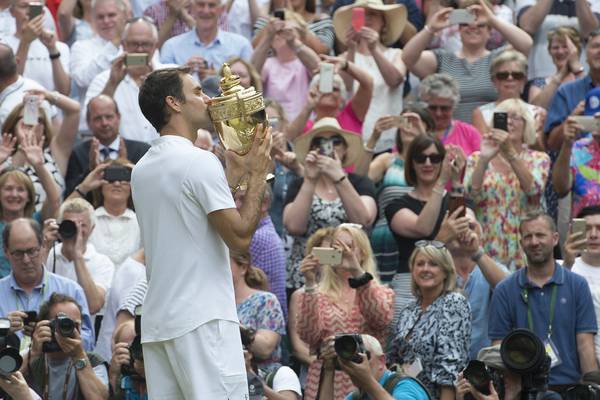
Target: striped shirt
x=135, y=298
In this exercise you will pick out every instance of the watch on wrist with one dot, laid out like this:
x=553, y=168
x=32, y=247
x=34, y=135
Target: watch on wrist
x=477, y=256
x=80, y=364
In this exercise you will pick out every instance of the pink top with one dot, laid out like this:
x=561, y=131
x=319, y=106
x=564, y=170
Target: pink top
x=347, y=119
x=287, y=83
x=465, y=136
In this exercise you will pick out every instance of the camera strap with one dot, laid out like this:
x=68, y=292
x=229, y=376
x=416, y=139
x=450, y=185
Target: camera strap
x=47, y=379
x=552, y=306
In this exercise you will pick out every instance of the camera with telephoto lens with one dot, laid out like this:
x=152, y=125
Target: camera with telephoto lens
x=524, y=354
x=67, y=229
x=348, y=347
x=135, y=349
x=10, y=359
x=63, y=325
x=479, y=376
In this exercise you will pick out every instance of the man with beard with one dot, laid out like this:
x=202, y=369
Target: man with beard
x=549, y=300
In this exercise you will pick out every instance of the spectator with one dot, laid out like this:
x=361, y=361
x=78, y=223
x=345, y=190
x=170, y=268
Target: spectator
x=56, y=144
x=413, y=9
x=350, y=115
x=172, y=18
x=266, y=249
x=17, y=194
x=76, y=258
x=326, y=195
x=370, y=376
x=13, y=86
x=316, y=28
x=259, y=312
x=8, y=25
x=122, y=81
x=433, y=331
x=470, y=65
x=84, y=372
x=249, y=76
x=127, y=354
x=127, y=276
x=505, y=181
x=538, y=18
x=370, y=48
x=348, y=298
x=441, y=93
x=117, y=233
x=387, y=172
x=242, y=15
x=576, y=159
x=75, y=20
x=29, y=283
x=280, y=384
x=581, y=254
x=287, y=74
x=207, y=46
x=42, y=57
x=541, y=283
x=477, y=274
x=104, y=118
x=422, y=213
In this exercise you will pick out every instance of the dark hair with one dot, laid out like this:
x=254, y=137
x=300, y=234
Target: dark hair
x=532, y=216
x=423, y=112
x=33, y=224
x=8, y=62
x=100, y=96
x=54, y=299
x=589, y=210
x=418, y=146
x=156, y=88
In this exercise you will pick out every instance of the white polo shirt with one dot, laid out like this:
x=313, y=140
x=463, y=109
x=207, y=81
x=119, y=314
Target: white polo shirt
x=175, y=186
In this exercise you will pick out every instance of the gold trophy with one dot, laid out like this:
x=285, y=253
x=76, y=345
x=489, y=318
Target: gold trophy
x=236, y=112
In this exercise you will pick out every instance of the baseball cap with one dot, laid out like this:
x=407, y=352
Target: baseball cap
x=592, y=102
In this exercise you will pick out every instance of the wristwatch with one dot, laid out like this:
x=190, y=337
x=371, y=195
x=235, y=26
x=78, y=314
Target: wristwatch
x=80, y=364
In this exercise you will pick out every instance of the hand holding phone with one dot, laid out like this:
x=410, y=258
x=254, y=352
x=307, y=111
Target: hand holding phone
x=501, y=121
x=588, y=123
x=35, y=9
x=136, y=59
x=461, y=16
x=578, y=225
x=31, y=109
x=328, y=255
x=358, y=18
x=326, y=78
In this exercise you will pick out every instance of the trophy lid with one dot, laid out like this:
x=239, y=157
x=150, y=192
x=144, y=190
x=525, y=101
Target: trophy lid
x=235, y=101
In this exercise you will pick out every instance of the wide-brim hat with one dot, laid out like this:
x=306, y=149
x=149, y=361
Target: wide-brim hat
x=329, y=126
x=395, y=19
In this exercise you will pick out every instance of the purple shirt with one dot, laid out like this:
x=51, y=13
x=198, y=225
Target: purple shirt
x=266, y=250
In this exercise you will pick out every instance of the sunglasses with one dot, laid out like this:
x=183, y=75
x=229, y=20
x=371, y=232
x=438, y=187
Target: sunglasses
x=318, y=141
x=479, y=26
x=434, y=108
x=434, y=243
x=433, y=158
x=516, y=75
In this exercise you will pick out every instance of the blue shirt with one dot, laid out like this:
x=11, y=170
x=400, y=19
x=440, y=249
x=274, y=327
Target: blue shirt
x=573, y=314
x=226, y=45
x=406, y=389
x=13, y=297
x=129, y=390
x=565, y=100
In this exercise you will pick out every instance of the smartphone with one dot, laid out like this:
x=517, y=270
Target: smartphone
x=31, y=109
x=326, y=148
x=578, y=225
x=328, y=255
x=454, y=202
x=136, y=59
x=358, y=18
x=501, y=121
x=279, y=14
x=31, y=317
x=35, y=9
x=326, y=78
x=115, y=173
x=589, y=123
x=461, y=16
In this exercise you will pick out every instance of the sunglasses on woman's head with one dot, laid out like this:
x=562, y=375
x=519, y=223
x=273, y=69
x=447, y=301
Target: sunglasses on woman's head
x=434, y=243
x=516, y=75
x=318, y=141
x=433, y=158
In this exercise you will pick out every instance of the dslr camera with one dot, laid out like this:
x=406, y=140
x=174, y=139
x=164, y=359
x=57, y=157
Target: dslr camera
x=67, y=229
x=348, y=347
x=62, y=324
x=10, y=359
x=135, y=349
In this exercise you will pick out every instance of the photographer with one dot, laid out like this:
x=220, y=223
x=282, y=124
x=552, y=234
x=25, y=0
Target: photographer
x=463, y=387
x=279, y=384
x=126, y=374
x=57, y=365
x=15, y=387
x=370, y=375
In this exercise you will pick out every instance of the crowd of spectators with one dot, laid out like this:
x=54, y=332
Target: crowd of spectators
x=422, y=204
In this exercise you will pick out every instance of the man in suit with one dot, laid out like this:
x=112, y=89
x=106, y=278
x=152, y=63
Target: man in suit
x=103, y=119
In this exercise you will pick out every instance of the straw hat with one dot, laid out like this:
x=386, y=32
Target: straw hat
x=394, y=14
x=327, y=127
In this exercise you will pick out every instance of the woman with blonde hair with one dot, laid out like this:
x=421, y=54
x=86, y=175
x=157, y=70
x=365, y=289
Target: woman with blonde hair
x=505, y=180
x=348, y=298
x=434, y=330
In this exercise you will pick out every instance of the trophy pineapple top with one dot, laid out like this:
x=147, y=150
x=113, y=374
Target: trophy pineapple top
x=230, y=83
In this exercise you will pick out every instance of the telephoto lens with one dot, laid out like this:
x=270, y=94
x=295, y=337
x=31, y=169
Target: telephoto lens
x=65, y=325
x=348, y=347
x=67, y=229
x=10, y=359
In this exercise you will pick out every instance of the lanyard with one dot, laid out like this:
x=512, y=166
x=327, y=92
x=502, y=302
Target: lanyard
x=21, y=306
x=552, y=304
x=47, y=380
x=447, y=131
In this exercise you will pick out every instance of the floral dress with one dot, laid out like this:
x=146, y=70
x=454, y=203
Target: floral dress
x=439, y=337
x=321, y=316
x=501, y=203
x=262, y=310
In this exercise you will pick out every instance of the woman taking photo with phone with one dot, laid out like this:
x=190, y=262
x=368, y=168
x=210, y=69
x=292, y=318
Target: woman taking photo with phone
x=505, y=180
x=348, y=298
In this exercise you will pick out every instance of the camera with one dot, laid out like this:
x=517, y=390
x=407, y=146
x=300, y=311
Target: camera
x=67, y=229
x=135, y=349
x=478, y=375
x=347, y=346
x=65, y=326
x=248, y=334
x=114, y=173
x=10, y=359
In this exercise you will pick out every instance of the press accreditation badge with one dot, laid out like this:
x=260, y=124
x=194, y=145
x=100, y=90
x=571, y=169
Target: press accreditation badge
x=552, y=352
x=413, y=369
